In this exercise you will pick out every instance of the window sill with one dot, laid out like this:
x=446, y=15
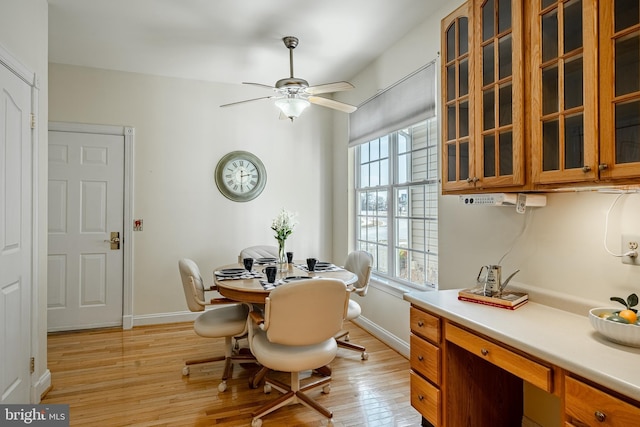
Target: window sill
x=392, y=287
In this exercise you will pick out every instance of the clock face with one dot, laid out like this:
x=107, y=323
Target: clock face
x=240, y=176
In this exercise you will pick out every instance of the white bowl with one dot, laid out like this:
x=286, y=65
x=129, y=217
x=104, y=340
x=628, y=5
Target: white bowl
x=620, y=333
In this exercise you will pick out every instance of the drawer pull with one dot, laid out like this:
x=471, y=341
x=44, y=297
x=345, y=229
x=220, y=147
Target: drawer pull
x=420, y=358
x=484, y=351
x=420, y=323
x=600, y=416
x=420, y=397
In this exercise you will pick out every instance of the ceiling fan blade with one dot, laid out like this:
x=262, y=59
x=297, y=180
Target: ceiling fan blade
x=246, y=100
x=336, y=105
x=259, y=84
x=329, y=87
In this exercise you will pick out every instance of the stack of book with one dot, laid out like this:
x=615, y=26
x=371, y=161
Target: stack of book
x=506, y=299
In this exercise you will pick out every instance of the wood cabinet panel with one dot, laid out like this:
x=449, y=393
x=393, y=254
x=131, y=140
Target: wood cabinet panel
x=425, y=325
x=425, y=398
x=588, y=406
x=425, y=359
x=521, y=366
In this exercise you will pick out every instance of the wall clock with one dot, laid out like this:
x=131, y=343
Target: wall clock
x=240, y=176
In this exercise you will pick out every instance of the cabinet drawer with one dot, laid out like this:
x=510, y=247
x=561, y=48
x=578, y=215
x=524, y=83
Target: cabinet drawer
x=425, y=398
x=425, y=325
x=425, y=358
x=588, y=406
x=521, y=366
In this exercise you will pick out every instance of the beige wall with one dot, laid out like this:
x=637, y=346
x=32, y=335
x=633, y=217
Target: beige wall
x=180, y=134
x=23, y=32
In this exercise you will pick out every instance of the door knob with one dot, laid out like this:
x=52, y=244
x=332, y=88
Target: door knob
x=115, y=240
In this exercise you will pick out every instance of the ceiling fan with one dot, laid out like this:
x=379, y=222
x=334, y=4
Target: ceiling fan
x=293, y=95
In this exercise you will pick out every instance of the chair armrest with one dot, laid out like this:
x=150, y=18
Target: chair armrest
x=257, y=317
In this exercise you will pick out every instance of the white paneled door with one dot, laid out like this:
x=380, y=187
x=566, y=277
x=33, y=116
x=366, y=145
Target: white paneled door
x=85, y=261
x=15, y=238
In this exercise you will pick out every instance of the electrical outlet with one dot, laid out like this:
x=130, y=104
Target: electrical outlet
x=630, y=243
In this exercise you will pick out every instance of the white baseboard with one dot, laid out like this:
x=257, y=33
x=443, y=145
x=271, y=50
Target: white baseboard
x=39, y=388
x=383, y=335
x=161, y=318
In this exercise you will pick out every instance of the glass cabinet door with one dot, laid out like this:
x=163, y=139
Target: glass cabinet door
x=564, y=86
x=457, y=102
x=499, y=134
x=620, y=89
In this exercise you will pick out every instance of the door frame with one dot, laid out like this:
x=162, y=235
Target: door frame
x=127, y=238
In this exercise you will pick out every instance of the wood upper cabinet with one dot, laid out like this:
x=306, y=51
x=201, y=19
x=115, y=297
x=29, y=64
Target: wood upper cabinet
x=546, y=96
x=483, y=95
x=457, y=100
x=564, y=98
x=619, y=89
x=499, y=93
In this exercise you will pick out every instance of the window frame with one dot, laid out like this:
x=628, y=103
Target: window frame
x=430, y=186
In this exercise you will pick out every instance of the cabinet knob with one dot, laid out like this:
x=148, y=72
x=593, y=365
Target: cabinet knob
x=586, y=169
x=420, y=323
x=602, y=166
x=484, y=351
x=420, y=358
x=473, y=180
x=600, y=416
x=420, y=397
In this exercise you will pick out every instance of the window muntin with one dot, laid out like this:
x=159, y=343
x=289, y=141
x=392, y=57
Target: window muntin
x=397, y=204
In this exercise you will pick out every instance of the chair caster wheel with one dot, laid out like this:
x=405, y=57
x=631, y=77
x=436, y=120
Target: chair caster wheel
x=256, y=422
x=267, y=388
x=222, y=386
x=185, y=371
x=326, y=389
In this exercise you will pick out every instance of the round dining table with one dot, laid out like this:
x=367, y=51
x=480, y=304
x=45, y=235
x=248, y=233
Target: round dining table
x=250, y=290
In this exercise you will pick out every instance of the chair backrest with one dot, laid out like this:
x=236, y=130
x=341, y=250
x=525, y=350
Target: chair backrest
x=305, y=312
x=359, y=263
x=260, y=251
x=192, y=284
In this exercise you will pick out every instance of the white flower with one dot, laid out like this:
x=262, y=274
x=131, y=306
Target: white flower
x=284, y=224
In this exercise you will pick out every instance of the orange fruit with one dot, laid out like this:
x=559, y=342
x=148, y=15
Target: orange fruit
x=628, y=315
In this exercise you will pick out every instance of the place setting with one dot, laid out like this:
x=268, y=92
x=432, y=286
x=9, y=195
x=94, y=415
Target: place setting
x=238, y=273
x=313, y=265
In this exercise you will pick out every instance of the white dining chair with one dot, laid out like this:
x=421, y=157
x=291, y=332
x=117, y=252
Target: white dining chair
x=359, y=263
x=227, y=320
x=295, y=333
x=257, y=252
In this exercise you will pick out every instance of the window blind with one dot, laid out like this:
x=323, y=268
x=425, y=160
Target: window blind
x=407, y=102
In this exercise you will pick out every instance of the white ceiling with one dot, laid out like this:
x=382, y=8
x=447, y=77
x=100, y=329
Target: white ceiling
x=230, y=41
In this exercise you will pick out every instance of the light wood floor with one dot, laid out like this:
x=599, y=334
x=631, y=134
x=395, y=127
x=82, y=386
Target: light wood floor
x=113, y=377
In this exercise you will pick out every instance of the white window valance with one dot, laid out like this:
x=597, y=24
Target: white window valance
x=407, y=102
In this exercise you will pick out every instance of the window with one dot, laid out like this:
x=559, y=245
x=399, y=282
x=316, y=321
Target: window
x=397, y=203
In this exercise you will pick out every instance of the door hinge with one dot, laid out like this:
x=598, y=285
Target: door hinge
x=33, y=121
x=32, y=365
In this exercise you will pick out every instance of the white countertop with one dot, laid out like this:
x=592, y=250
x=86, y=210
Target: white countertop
x=560, y=337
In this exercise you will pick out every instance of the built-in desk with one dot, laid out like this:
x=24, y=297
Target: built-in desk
x=469, y=361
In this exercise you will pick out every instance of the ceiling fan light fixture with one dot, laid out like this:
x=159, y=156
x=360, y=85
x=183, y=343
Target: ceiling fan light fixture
x=292, y=107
